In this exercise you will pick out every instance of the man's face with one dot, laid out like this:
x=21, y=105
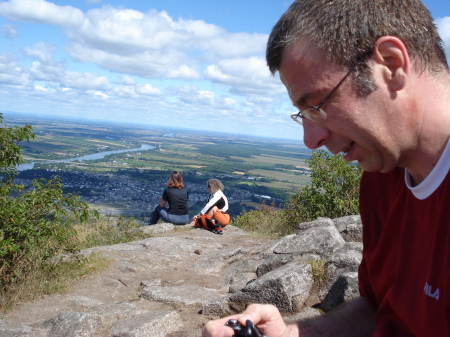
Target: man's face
x=358, y=127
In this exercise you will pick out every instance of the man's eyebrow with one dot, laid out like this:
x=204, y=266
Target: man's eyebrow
x=302, y=101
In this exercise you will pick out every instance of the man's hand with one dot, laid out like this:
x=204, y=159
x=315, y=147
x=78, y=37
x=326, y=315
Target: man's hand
x=353, y=319
x=265, y=316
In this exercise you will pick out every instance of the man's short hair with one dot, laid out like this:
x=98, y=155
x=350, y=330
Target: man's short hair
x=345, y=29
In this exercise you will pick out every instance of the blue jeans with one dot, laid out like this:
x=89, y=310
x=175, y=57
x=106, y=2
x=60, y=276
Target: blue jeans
x=160, y=212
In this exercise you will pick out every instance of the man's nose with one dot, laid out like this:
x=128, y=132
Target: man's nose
x=314, y=135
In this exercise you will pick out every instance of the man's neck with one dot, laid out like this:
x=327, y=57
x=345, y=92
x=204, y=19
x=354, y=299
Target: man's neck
x=434, y=132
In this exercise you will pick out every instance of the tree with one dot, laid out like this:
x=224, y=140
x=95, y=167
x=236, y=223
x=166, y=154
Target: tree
x=35, y=224
x=333, y=192
x=10, y=150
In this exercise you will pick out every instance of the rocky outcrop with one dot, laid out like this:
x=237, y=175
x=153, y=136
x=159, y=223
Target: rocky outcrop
x=171, y=283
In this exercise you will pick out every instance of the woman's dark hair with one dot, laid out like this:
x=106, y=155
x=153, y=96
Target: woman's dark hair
x=175, y=180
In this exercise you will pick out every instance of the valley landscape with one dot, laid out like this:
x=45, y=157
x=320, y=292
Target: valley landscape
x=123, y=169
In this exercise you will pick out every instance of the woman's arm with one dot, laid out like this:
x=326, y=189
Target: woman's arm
x=211, y=202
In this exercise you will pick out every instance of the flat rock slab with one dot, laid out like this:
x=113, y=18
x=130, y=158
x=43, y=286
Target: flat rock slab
x=185, y=295
x=155, y=324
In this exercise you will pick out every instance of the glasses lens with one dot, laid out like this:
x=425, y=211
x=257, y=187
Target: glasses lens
x=297, y=118
x=315, y=115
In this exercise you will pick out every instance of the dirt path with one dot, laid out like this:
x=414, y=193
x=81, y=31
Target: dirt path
x=180, y=257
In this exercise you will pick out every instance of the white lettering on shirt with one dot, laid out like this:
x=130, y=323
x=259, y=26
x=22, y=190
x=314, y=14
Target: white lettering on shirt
x=428, y=290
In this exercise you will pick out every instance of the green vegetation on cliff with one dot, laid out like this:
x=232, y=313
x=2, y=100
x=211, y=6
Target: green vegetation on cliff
x=38, y=224
x=333, y=193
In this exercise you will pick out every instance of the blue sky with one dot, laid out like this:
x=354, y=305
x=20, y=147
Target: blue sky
x=196, y=64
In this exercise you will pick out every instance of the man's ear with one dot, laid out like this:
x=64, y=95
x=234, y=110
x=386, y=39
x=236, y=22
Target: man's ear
x=390, y=53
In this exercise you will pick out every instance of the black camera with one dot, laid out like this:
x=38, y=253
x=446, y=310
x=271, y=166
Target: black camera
x=247, y=330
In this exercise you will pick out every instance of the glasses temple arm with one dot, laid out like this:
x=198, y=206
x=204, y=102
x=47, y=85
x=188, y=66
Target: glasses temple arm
x=341, y=81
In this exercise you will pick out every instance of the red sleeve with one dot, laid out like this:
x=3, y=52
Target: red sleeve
x=365, y=289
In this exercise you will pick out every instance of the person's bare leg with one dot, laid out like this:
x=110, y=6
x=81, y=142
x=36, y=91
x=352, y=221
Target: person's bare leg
x=212, y=211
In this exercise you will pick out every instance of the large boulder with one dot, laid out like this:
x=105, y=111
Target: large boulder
x=286, y=287
x=322, y=240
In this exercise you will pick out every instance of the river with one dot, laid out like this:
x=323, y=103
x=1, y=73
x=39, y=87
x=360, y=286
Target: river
x=94, y=156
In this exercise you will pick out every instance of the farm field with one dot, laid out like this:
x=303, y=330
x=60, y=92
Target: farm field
x=263, y=166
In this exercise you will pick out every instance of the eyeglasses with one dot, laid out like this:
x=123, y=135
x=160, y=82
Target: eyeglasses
x=315, y=113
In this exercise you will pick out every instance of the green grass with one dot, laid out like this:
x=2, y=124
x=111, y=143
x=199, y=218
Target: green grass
x=36, y=277
x=48, y=278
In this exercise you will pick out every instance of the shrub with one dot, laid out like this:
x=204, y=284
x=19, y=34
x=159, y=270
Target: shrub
x=10, y=150
x=266, y=222
x=36, y=224
x=333, y=193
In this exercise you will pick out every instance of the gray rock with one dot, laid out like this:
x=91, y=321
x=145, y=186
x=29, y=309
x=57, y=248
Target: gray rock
x=155, y=324
x=151, y=283
x=349, y=256
x=344, y=289
x=185, y=295
x=322, y=240
x=16, y=330
x=286, y=287
x=319, y=222
x=232, y=276
x=273, y=262
x=73, y=324
x=239, y=273
x=159, y=228
x=218, y=307
x=239, y=281
x=110, y=313
x=350, y=227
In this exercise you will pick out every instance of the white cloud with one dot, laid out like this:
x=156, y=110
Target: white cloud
x=52, y=72
x=194, y=71
x=235, y=45
x=150, y=45
x=444, y=31
x=147, y=89
x=41, y=51
x=214, y=73
x=125, y=91
x=245, y=76
x=8, y=31
x=98, y=94
x=40, y=88
x=85, y=81
x=239, y=70
x=42, y=12
x=184, y=72
x=10, y=79
x=10, y=73
x=127, y=80
x=229, y=101
x=154, y=64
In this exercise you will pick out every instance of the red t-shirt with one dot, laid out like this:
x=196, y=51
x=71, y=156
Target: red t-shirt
x=405, y=270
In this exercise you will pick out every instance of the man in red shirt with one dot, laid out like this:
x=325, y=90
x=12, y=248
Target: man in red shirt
x=370, y=80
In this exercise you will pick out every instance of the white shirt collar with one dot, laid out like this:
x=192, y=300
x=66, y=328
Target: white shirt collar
x=434, y=179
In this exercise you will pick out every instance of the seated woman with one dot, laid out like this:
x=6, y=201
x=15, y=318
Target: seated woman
x=177, y=196
x=216, y=207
